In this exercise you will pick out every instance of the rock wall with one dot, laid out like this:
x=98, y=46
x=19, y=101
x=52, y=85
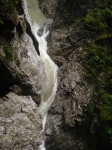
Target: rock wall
x=26, y=67
x=70, y=124
x=21, y=59
x=22, y=77
x=20, y=123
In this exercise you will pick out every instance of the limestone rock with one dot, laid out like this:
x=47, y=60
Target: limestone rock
x=25, y=66
x=20, y=129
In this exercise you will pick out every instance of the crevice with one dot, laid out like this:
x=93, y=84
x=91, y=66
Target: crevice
x=6, y=79
x=29, y=32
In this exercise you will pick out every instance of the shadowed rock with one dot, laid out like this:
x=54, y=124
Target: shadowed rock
x=16, y=89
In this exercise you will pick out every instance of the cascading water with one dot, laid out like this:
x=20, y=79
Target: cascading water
x=49, y=91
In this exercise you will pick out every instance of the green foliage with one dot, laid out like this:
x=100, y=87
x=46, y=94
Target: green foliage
x=8, y=7
x=92, y=111
x=98, y=64
x=100, y=56
x=100, y=59
x=17, y=73
x=99, y=21
x=108, y=130
x=1, y=21
x=7, y=48
x=8, y=51
x=106, y=111
x=77, y=19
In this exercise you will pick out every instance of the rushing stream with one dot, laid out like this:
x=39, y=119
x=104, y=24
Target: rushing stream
x=50, y=86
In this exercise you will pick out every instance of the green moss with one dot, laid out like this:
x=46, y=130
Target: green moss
x=8, y=51
x=98, y=24
x=100, y=58
x=104, y=37
x=106, y=108
x=9, y=7
x=99, y=20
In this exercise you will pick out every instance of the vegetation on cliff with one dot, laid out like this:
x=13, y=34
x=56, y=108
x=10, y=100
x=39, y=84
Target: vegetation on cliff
x=8, y=20
x=98, y=64
x=9, y=7
x=96, y=27
x=9, y=23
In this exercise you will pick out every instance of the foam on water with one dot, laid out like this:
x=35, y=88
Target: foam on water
x=35, y=16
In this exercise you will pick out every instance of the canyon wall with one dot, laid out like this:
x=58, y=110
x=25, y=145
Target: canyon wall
x=74, y=120
x=22, y=77
x=70, y=124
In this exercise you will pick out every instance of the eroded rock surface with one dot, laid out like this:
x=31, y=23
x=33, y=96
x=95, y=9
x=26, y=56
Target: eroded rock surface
x=69, y=117
x=48, y=7
x=20, y=123
x=69, y=124
x=26, y=66
x=22, y=71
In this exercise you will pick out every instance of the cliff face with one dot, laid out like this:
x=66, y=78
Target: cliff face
x=22, y=77
x=72, y=123
x=80, y=39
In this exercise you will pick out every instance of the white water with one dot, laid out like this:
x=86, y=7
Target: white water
x=50, y=86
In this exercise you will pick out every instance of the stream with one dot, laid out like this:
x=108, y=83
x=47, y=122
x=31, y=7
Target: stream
x=50, y=85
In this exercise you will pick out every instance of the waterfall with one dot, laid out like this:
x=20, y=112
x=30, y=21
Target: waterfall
x=35, y=16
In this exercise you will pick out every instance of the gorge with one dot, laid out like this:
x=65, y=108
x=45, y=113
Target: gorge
x=50, y=85
x=55, y=75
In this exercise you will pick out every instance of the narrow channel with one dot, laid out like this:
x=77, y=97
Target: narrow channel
x=50, y=86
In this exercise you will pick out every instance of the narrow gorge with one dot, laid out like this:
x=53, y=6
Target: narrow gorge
x=38, y=22
x=55, y=75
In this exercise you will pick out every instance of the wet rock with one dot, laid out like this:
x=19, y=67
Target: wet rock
x=40, y=31
x=48, y=7
x=44, y=28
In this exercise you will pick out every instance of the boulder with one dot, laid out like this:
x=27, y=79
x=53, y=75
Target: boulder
x=20, y=123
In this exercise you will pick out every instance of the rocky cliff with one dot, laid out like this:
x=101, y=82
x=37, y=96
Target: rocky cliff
x=74, y=119
x=22, y=77
x=20, y=123
x=80, y=44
